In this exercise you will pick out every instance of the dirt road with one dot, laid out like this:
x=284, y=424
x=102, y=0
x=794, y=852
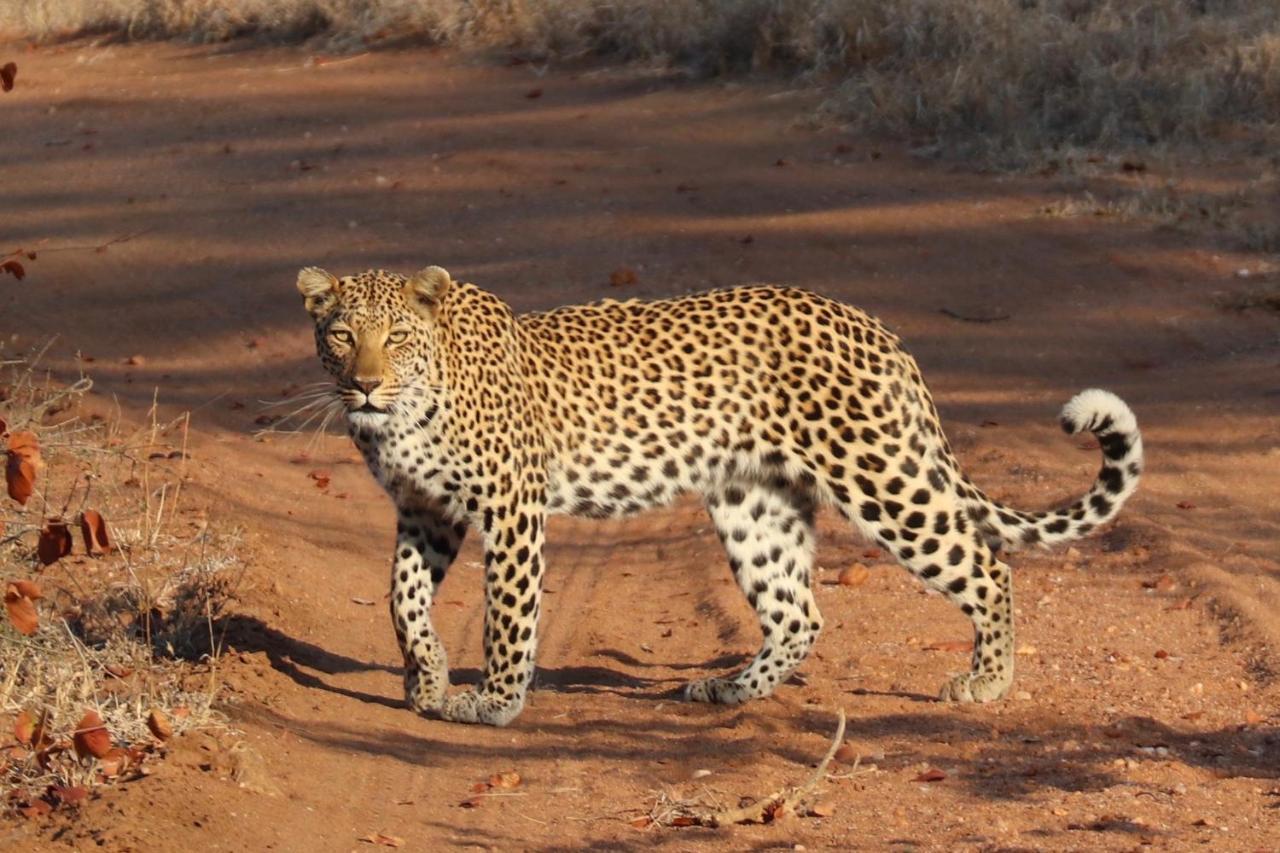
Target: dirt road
x=173, y=192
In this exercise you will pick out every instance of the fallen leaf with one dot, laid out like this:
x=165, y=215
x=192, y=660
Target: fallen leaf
x=115, y=670
x=949, y=646
x=509, y=779
x=846, y=754
x=623, y=276
x=21, y=609
x=641, y=822
x=113, y=763
x=1161, y=654
x=54, y=542
x=37, y=808
x=933, y=774
x=14, y=269
x=382, y=839
x=7, y=74
x=22, y=461
x=24, y=728
x=159, y=724
x=822, y=809
x=135, y=361
x=472, y=803
x=533, y=93
x=683, y=820
x=855, y=575
x=1185, y=505
x=321, y=477
x=91, y=736
x=93, y=529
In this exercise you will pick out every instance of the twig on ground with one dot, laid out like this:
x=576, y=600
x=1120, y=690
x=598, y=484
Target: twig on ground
x=790, y=800
x=969, y=318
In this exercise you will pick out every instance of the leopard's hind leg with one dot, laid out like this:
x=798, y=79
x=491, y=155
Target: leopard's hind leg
x=919, y=518
x=767, y=530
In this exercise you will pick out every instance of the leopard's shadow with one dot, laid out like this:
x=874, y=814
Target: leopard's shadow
x=305, y=663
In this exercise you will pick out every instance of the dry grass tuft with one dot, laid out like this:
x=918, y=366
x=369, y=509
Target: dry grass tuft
x=127, y=635
x=1001, y=79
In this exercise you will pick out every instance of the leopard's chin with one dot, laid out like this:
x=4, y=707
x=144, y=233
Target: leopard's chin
x=367, y=417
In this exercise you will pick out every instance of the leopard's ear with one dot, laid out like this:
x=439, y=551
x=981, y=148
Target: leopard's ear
x=427, y=287
x=318, y=289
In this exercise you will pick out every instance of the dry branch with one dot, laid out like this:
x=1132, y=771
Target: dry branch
x=790, y=800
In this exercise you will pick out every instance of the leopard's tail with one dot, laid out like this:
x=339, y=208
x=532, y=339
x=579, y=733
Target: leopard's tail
x=1111, y=420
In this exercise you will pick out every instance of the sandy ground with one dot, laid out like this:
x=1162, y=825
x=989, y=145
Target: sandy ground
x=172, y=192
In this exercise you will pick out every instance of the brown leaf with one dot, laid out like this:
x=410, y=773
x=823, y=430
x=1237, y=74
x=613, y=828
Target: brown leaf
x=54, y=543
x=855, y=575
x=159, y=724
x=509, y=779
x=1185, y=505
x=933, y=774
x=822, y=809
x=321, y=477
x=24, y=728
x=7, y=74
x=37, y=808
x=641, y=822
x=472, y=803
x=533, y=93
x=623, y=276
x=113, y=763
x=20, y=475
x=21, y=610
x=14, y=269
x=846, y=754
x=72, y=796
x=91, y=736
x=382, y=840
x=1161, y=654
x=30, y=589
x=684, y=820
x=21, y=464
x=949, y=646
x=93, y=529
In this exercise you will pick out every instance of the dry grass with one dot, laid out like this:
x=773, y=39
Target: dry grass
x=1002, y=79
x=125, y=634
x=1240, y=217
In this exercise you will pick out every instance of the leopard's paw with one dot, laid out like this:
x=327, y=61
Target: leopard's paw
x=475, y=706
x=975, y=687
x=717, y=691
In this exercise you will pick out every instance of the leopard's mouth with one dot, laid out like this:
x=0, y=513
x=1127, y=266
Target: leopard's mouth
x=370, y=409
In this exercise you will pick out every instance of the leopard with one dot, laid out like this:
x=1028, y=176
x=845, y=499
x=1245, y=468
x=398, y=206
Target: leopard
x=768, y=402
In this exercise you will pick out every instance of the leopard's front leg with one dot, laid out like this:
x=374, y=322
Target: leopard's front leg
x=513, y=537
x=426, y=545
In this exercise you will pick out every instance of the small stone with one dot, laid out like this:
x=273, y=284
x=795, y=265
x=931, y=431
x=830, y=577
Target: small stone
x=1022, y=696
x=701, y=773
x=1026, y=650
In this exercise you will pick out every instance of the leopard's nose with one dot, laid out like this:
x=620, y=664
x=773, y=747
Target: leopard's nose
x=366, y=385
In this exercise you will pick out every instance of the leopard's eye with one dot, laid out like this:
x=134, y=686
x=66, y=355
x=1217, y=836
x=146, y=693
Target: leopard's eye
x=342, y=336
x=398, y=337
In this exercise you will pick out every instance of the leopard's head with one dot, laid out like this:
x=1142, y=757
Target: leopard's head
x=376, y=334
